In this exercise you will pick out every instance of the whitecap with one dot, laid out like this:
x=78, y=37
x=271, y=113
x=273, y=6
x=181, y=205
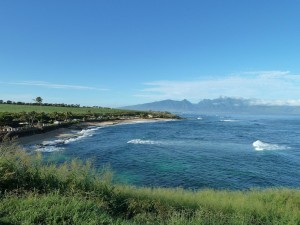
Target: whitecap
x=261, y=146
x=142, y=142
x=228, y=120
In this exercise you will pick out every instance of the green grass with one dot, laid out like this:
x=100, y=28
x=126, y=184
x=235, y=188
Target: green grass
x=50, y=109
x=32, y=192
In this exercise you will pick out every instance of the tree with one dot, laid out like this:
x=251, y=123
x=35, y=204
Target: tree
x=42, y=117
x=6, y=119
x=38, y=100
x=31, y=117
x=57, y=116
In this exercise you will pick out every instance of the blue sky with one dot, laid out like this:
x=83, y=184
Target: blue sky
x=116, y=53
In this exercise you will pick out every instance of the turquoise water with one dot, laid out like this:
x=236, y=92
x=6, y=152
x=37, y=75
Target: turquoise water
x=221, y=152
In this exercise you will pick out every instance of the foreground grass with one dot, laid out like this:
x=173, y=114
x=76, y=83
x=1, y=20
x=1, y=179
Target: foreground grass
x=74, y=193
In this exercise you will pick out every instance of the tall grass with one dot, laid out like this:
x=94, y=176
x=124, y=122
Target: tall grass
x=34, y=192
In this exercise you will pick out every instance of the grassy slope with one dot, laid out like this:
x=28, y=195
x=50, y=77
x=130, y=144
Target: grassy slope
x=53, y=208
x=50, y=109
x=74, y=193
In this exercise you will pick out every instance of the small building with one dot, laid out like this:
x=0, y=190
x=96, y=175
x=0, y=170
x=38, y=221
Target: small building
x=24, y=123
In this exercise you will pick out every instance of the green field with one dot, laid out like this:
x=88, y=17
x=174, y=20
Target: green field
x=50, y=109
x=32, y=192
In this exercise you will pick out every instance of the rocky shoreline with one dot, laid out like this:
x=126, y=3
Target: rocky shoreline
x=65, y=131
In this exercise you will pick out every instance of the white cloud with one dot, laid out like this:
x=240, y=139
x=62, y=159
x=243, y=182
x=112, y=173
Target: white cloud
x=279, y=102
x=268, y=74
x=55, y=86
x=17, y=97
x=268, y=85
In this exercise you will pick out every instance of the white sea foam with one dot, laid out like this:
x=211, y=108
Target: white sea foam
x=261, y=146
x=142, y=142
x=49, y=149
x=69, y=140
x=199, y=118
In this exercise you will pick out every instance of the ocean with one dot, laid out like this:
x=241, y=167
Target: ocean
x=234, y=152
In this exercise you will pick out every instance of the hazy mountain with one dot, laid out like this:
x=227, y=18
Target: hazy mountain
x=166, y=105
x=219, y=105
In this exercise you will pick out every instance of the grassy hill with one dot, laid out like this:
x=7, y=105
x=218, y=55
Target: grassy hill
x=35, y=192
x=50, y=109
x=41, y=118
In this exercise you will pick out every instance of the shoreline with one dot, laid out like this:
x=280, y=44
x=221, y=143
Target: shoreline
x=67, y=132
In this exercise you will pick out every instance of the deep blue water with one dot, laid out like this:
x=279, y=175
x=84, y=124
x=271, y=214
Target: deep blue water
x=221, y=152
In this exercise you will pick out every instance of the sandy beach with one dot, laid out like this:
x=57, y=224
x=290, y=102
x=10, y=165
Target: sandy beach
x=67, y=132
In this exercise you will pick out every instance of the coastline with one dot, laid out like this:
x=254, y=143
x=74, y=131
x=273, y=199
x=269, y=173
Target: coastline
x=67, y=132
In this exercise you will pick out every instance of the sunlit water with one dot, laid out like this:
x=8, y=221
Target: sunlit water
x=221, y=152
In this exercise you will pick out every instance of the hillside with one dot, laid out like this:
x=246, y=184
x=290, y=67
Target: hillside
x=14, y=108
x=165, y=105
x=22, y=120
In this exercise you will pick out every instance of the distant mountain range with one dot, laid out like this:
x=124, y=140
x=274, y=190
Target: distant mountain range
x=219, y=105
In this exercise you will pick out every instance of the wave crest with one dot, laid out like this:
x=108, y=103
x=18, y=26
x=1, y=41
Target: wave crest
x=261, y=146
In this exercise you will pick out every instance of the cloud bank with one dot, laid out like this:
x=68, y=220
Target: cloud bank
x=270, y=87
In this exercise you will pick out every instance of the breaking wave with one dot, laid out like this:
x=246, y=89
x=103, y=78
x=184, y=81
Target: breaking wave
x=142, y=142
x=261, y=146
x=56, y=145
x=82, y=134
